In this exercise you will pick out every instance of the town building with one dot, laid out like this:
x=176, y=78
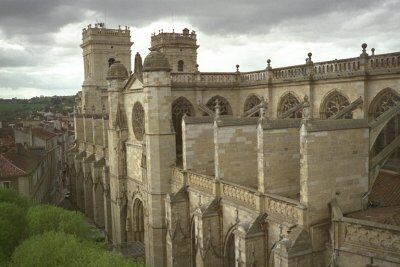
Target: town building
x=291, y=166
x=34, y=163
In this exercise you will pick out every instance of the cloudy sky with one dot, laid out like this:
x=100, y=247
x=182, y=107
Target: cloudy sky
x=39, y=39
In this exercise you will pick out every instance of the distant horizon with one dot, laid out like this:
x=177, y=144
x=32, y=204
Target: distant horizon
x=40, y=53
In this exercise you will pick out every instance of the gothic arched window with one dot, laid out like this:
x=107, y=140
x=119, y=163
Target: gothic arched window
x=287, y=102
x=138, y=123
x=224, y=106
x=251, y=102
x=180, y=107
x=180, y=65
x=333, y=103
x=385, y=99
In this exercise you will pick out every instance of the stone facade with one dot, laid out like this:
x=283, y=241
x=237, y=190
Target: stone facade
x=237, y=169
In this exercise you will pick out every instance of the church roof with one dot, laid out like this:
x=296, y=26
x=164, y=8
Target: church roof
x=156, y=61
x=117, y=71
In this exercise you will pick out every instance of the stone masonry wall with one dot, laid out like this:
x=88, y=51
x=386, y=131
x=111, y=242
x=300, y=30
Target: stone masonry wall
x=198, y=147
x=333, y=164
x=281, y=161
x=237, y=154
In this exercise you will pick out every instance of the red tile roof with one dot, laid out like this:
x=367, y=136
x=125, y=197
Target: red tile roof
x=385, y=200
x=18, y=161
x=386, y=190
x=387, y=215
x=7, y=168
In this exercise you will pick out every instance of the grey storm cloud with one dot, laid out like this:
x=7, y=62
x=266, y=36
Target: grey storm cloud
x=35, y=25
x=29, y=17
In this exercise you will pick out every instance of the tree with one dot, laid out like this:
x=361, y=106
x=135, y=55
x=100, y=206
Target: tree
x=44, y=218
x=13, y=228
x=60, y=249
x=12, y=196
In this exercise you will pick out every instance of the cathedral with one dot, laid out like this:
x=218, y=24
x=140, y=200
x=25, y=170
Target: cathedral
x=290, y=166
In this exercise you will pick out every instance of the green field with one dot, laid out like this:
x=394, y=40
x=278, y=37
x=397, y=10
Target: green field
x=10, y=107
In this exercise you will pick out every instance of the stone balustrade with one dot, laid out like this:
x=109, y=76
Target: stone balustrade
x=248, y=197
x=200, y=181
x=319, y=70
x=337, y=66
x=385, y=61
x=239, y=194
x=372, y=236
x=178, y=176
x=284, y=207
x=289, y=72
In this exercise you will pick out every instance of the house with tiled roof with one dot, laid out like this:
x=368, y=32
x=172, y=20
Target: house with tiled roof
x=49, y=146
x=26, y=171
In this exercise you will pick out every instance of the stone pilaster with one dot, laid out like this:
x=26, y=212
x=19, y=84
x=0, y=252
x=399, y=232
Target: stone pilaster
x=117, y=134
x=160, y=152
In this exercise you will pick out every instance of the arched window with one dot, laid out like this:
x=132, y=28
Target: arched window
x=180, y=65
x=138, y=221
x=383, y=101
x=230, y=258
x=193, y=244
x=224, y=106
x=333, y=103
x=287, y=102
x=251, y=102
x=138, y=123
x=180, y=107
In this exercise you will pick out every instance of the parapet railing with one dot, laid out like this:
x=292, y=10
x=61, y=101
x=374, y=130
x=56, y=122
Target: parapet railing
x=272, y=204
x=385, y=61
x=173, y=35
x=200, y=181
x=104, y=31
x=318, y=70
x=370, y=235
x=238, y=193
x=290, y=72
x=284, y=207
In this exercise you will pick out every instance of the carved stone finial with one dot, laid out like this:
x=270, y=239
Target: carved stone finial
x=364, y=50
x=237, y=67
x=263, y=107
x=364, y=46
x=306, y=108
x=217, y=109
x=309, y=60
x=269, y=64
x=373, y=51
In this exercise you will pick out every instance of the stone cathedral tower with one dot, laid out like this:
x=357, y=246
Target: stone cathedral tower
x=179, y=48
x=160, y=149
x=101, y=47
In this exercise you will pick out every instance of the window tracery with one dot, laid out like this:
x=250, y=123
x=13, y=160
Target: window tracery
x=251, y=102
x=224, y=106
x=385, y=102
x=180, y=107
x=138, y=122
x=334, y=103
x=289, y=101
